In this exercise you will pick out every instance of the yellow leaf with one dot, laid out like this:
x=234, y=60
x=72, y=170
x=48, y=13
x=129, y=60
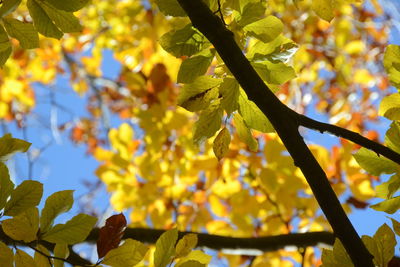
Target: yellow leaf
x=221, y=143
x=22, y=259
x=185, y=245
x=6, y=255
x=23, y=226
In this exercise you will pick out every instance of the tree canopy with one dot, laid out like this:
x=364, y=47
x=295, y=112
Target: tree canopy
x=202, y=138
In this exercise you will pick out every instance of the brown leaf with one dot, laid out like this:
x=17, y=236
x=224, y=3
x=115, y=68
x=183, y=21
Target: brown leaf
x=110, y=234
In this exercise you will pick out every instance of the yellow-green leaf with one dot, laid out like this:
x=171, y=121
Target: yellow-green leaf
x=385, y=241
x=373, y=163
x=24, y=32
x=42, y=21
x=26, y=195
x=186, y=244
x=192, y=263
x=389, y=206
x=6, y=186
x=60, y=251
x=165, y=248
x=23, y=226
x=229, y=90
x=221, y=143
x=195, y=255
x=387, y=189
x=130, y=253
x=372, y=247
x=6, y=255
x=65, y=21
x=324, y=9
x=265, y=29
x=4, y=55
x=391, y=62
x=70, y=5
x=40, y=259
x=73, y=231
x=4, y=40
x=244, y=133
x=390, y=107
x=252, y=115
x=8, y=6
x=23, y=259
x=251, y=12
x=170, y=8
x=274, y=73
x=10, y=145
x=208, y=123
x=56, y=204
x=396, y=226
x=392, y=137
x=195, y=89
x=183, y=42
x=195, y=66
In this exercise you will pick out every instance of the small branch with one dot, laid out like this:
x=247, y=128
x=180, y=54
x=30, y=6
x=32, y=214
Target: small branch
x=349, y=135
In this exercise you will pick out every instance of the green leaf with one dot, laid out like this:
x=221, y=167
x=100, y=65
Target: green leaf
x=197, y=88
x=392, y=137
x=39, y=257
x=74, y=231
x=70, y=5
x=6, y=185
x=165, y=248
x=10, y=145
x=24, y=226
x=340, y=254
x=372, y=247
x=195, y=66
x=324, y=9
x=374, y=164
x=391, y=62
x=229, y=90
x=56, y=204
x=244, y=133
x=280, y=49
x=208, y=123
x=274, y=73
x=387, y=189
x=221, y=143
x=6, y=255
x=8, y=6
x=61, y=250
x=65, y=21
x=266, y=29
x=42, y=21
x=23, y=259
x=390, y=107
x=385, y=241
x=4, y=54
x=251, y=12
x=192, y=263
x=28, y=194
x=170, y=8
x=389, y=206
x=252, y=115
x=183, y=42
x=396, y=226
x=24, y=32
x=130, y=253
x=327, y=258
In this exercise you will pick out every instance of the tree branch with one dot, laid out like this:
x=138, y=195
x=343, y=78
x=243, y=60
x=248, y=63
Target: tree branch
x=269, y=243
x=349, y=135
x=284, y=122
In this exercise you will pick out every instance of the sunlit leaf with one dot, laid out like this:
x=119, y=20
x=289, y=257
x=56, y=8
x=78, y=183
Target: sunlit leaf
x=396, y=226
x=165, y=248
x=183, y=42
x=195, y=66
x=26, y=195
x=42, y=21
x=265, y=29
x=9, y=146
x=56, y=204
x=208, y=123
x=251, y=12
x=73, y=231
x=185, y=245
x=274, y=73
x=129, y=253
x=390, y=107
x=244, y=133
x=373, y=163
x=391, y=62
x=170, y=8
x=221, y=143
x=324, y=9
x=385, y=241
x=6, y=186
x=389, y=206
x=71, y=5
x=229, y=90
x=387, y=189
